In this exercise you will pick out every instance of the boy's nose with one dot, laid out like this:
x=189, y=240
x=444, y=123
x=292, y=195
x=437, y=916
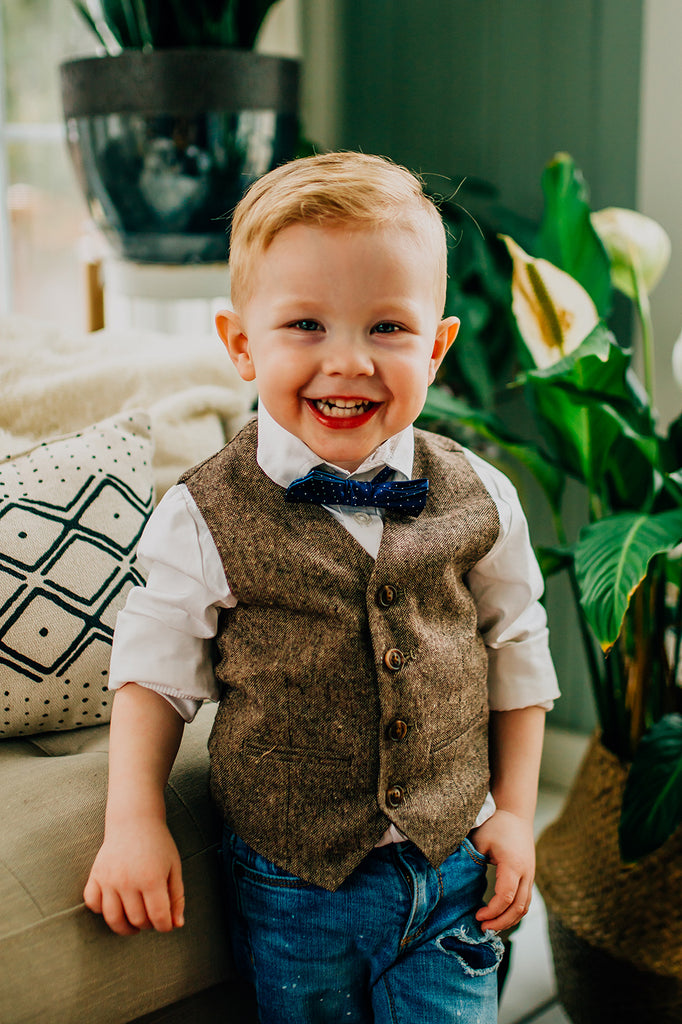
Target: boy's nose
x=348, y=358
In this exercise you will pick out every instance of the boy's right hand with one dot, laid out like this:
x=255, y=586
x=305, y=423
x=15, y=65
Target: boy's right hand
x=136, y=879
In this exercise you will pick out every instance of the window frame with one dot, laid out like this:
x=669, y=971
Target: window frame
x=6, y=279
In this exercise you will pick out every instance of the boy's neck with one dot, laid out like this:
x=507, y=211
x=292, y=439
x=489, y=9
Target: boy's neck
x=284, y=457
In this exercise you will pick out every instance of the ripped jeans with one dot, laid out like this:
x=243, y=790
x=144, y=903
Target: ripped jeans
x=398, y=943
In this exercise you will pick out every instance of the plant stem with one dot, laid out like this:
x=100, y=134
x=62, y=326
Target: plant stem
x=595, y=667
x=677, y=625
x=596, y=663
x=643, y=308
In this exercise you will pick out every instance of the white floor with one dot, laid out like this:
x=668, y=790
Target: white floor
x=529, y=996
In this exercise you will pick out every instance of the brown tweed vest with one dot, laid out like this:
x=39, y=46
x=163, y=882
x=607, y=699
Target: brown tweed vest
x=353, y=692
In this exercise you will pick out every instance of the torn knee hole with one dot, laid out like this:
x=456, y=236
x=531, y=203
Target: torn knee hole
x=477, y=952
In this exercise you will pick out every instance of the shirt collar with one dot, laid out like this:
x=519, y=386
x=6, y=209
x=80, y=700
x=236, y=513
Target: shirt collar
x=284, y=457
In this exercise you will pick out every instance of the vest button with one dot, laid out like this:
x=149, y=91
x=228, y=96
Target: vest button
x=387, y=595
x=394, y=659
x=395, y=796
x=397, y=730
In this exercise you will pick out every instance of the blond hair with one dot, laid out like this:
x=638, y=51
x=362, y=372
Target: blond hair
x=349, y=189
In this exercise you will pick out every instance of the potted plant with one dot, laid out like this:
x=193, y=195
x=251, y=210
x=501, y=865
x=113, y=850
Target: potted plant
x=174, y=122
x=611, y=866
x=479, y=276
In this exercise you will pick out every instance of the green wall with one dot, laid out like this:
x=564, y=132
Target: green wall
x=487, y=88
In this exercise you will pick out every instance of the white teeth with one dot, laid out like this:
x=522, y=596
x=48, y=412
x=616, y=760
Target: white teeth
x=342, y=406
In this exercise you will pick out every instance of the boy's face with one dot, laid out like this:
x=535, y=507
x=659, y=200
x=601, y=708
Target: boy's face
x=342, y=334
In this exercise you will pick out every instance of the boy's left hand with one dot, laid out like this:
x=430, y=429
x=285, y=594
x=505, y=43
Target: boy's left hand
x=508, y=842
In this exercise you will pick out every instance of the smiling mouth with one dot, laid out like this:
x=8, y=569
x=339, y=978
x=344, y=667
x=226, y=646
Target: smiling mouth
x=343, y=407
x=342, y=412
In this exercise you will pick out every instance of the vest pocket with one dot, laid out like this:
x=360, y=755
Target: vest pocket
x=291, y=755
x=459, y=768
x=470, y=733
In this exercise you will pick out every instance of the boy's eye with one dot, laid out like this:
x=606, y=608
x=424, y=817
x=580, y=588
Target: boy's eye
x=386, y=327
x=307, y=325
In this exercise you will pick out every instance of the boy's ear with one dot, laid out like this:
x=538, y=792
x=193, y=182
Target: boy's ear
x=233, y=337
x=445, y=335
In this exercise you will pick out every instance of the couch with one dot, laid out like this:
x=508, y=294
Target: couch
x=92, y=432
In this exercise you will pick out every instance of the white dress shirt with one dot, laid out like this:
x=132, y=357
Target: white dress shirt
x=163, y=635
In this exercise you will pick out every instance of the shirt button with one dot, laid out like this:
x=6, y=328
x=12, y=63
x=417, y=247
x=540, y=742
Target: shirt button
x=362, y=517
x=394, y=659
x=387, y=595
x=397, y=730
x=395, y=796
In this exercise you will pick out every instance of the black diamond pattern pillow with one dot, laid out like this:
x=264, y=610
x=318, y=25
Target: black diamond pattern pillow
x=71, y=514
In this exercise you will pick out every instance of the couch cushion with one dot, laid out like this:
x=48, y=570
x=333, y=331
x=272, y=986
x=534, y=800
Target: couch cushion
x=59, y=963
x=71, y=513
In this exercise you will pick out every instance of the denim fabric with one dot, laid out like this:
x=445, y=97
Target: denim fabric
x=396, y=944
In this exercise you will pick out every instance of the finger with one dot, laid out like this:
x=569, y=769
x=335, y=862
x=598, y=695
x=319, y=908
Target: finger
x=504, y=921
x=92, y=895
x=158, y=908
x=517, y=909
x=507, y=884
x=114, y=914
x=176, y=892
x=135, y=910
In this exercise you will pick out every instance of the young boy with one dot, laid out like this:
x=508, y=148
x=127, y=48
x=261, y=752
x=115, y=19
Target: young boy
x=363, y=621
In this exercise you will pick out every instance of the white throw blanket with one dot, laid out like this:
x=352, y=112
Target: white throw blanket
x=53, y=382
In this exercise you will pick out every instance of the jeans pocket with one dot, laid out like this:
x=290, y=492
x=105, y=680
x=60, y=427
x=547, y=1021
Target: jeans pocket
x=248, y=864
x=478, y=858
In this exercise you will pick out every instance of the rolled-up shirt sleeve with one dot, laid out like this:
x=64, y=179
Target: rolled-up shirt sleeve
x=507, y=586
x=163, y=635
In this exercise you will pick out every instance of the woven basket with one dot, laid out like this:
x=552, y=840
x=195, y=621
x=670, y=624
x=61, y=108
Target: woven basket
x=615, y=929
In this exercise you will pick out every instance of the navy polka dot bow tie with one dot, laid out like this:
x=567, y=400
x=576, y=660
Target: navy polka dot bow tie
x=322, y=488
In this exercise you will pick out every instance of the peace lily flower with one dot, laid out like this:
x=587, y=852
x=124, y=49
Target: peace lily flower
x=553, y=311
x=638, y=247
x=677, y=360
x=639, y=250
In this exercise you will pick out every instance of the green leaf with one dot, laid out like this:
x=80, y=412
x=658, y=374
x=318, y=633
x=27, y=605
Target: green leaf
x=599, y=364
x=590, y=411
x=674, y=444
x=567, y=237
x=473, y=368
x=153, y=24
x=554, y=559
x=249, y=18
x=581, y=435
x=90, y=21
x=652, y=802
x=116, y=14
x=611, y=559
x=441, y=406
x=139, y=15
x=568, y=400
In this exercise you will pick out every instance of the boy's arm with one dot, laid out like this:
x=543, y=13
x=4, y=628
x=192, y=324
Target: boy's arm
x=136, y=879
x=507, y=838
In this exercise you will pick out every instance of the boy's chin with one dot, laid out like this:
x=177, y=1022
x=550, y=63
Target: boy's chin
x=348, y=457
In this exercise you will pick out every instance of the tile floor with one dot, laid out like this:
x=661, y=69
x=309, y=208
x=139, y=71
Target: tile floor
x=529, y=996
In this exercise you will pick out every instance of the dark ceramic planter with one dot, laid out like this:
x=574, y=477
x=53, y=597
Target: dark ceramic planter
x=165, y=143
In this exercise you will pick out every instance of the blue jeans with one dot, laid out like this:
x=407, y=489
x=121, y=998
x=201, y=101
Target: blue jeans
x=398, y=943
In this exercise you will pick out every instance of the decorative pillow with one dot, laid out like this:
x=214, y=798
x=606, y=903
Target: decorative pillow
x=71, y=512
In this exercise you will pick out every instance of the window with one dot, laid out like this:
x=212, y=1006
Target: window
x=44, y=222
x=42, y=215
